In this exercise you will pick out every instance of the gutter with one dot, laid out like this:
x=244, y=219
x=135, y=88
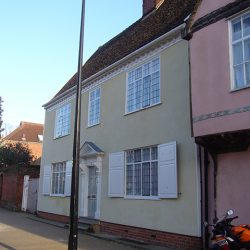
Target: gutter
x=71, y=90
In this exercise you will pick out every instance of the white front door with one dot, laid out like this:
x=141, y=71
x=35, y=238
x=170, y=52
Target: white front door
x=92, y=192
x=82, y=193
x=90, y=187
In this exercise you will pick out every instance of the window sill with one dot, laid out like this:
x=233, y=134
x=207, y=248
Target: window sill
x=239, y=89
x=90, y=126
x=154, y=198
x=61, y=136
x=58, y=195
x=148, y=107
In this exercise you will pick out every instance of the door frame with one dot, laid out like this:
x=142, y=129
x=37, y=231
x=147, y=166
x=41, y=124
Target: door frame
x=85, y=163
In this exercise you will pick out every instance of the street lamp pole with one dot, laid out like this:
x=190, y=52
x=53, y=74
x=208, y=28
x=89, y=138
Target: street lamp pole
x=73, y=235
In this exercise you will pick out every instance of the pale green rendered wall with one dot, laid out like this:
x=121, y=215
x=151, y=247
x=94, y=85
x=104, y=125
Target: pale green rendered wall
x=166, y=122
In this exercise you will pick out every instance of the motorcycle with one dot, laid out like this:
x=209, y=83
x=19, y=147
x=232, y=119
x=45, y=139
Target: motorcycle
x=226, y=236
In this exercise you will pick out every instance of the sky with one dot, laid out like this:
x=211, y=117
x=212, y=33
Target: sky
x=39, y=42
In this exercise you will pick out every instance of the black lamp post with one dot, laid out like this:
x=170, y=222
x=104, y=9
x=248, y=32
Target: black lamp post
x=73, y=235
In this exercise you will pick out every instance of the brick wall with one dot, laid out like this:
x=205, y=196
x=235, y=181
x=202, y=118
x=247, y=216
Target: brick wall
x=53, y=217
x=12, y=185
x=177, y=241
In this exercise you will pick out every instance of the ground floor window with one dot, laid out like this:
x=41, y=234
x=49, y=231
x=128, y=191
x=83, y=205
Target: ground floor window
x=142, y=172
x=58, y=178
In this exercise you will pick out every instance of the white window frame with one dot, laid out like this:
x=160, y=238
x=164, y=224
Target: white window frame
x=62, y=121
x=60, y=172
x=144, y=197
x=231, y=43
x=140, y=105
x=93, y=105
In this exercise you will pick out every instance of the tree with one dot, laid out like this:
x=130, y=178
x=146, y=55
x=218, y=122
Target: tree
x=17, y=154
x=1, y=114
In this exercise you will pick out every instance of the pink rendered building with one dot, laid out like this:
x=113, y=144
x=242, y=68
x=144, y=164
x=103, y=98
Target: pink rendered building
x=219, y=35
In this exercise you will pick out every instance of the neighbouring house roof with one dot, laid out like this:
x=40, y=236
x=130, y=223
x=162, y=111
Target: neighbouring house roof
x=27, y=131
x=169, y=15
x=30, y=134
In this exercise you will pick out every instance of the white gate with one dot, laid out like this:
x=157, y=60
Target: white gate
x=30, y=189
x=25, y=192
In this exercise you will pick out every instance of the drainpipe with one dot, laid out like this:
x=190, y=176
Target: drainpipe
x=206, y=165
x=202, y=194
x=215, y=163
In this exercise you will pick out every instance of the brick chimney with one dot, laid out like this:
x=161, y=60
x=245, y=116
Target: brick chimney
x=149, y=5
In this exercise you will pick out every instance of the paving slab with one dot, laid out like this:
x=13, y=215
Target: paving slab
x=21, y=231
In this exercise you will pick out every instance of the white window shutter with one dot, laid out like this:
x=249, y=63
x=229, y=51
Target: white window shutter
x=46, y=179
x=116, y=174
x=67, y=188
x=167, y=176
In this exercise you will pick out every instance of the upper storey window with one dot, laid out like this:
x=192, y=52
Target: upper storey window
x=143, y=86
x=62, y=124
x=94, y=107
x=240, y=29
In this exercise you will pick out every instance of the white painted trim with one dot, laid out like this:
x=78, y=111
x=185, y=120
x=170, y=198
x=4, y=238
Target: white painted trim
x=131, y=197
x=62, y=102
x=230, y=55
x=121, y=62
x=236, y=16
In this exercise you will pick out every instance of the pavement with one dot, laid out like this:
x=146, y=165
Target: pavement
x=21, y=231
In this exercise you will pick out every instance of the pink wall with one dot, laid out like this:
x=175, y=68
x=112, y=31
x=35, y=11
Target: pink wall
x=211, y=83
x=233, y=187
x=207, y=6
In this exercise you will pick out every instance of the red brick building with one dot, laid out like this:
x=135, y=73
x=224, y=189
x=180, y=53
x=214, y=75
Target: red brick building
x=12, y=179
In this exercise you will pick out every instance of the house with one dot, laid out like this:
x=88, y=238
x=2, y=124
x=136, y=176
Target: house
x=18, y=185
x=219, y=55
x=139, y=174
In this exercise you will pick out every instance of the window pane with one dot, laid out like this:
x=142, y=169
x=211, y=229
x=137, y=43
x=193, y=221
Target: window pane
x=155, y=88
x=146, y=69
x=142, y=172
x=129, y=180
x=130, y=106
x=236, y=29
x=146, y=179
x=247, y=49
x=238, y=53
x=138, y=73
x=137, y=155
x=248, y=73
x=138, y=94
x=146, y=154
x=137, y=179
x=239, y=76
x=129, y=156
x=94, y=107
x=154, y=153
x=154, y=178
x=62, y=126
x=156, y=65
x=146, y=91
x=97, y=93
x=246, y=25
